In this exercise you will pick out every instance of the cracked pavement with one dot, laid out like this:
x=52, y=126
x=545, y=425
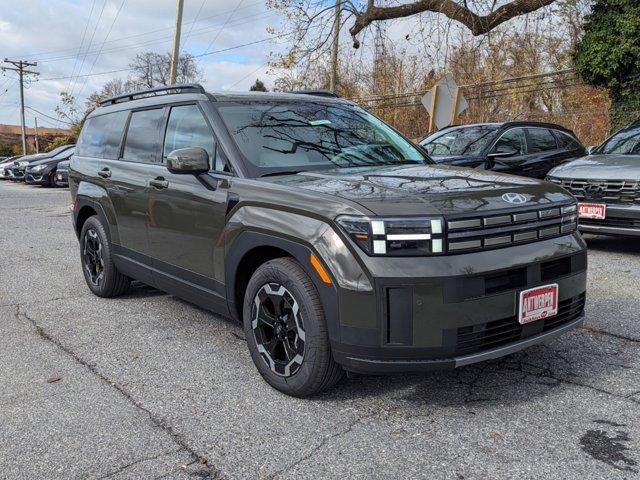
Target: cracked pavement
x=149, y=386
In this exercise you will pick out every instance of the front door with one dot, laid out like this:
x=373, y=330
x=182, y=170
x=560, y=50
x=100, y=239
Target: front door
x=187, y=213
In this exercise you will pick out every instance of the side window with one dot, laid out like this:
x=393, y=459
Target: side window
x=566, y=141
x=541, y=140
x=187, y=128
x=141, y=143
x=513, y=139
x=101, y=135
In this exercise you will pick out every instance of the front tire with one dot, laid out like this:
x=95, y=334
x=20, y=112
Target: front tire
x=100, y=273
x=286, y=330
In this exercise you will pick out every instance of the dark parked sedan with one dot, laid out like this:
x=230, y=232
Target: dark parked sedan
x=20, y=166
x=43, y=172
x=607, y=184
x=529, y=149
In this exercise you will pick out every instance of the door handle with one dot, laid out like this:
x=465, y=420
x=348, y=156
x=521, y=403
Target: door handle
x=159, y=183
x=105, y=173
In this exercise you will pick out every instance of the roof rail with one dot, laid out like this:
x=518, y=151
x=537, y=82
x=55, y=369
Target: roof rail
x=152, y=92
x=318, y=93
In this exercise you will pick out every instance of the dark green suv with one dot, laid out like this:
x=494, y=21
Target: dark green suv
x=335, y=240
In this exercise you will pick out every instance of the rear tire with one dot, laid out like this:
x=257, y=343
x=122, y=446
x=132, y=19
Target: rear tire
x=286, y=330
x=100, y=273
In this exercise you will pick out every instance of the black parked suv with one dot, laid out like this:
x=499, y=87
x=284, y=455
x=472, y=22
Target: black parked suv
x=529, y=149
x=336, y=241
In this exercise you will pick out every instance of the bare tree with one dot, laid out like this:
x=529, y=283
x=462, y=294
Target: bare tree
x=151, y=69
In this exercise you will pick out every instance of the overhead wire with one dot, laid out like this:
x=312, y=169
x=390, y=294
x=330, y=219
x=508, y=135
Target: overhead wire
x=115, y=18
x=93, y=34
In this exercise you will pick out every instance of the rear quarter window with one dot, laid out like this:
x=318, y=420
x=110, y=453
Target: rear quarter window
x=101, y=136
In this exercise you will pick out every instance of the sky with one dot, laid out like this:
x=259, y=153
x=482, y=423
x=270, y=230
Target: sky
x=76, y=41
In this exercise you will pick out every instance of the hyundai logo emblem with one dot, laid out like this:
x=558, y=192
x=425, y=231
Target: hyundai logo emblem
x=514, y=198
x=594, y=190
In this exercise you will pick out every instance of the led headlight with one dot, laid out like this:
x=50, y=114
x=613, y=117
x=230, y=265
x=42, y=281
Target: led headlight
x=399, y=236
x=24, y=163
x=38, y=168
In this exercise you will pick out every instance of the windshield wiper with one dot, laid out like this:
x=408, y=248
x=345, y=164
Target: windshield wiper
x=281, y=172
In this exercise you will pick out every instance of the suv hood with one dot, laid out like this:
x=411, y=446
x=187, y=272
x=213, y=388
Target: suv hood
x=600, y=167
x=424, y=189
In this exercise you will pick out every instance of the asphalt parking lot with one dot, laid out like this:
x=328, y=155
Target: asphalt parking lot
x=148, y=386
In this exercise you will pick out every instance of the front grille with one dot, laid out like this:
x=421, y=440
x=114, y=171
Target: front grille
x=502, y=230
x=626, y=192
x=487, y=336
x=614, y=222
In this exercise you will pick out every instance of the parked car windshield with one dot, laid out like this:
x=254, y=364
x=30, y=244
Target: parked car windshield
x=64, y=153
x=299, y=136
x=625, y=142
x=460, y=141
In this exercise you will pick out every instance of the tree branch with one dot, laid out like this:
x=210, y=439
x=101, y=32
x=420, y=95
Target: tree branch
x=477, y=24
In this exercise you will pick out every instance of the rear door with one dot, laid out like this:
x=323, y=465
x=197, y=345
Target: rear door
x=186, y=212
x=126, y=180
x=569, y=147
x=544, y=151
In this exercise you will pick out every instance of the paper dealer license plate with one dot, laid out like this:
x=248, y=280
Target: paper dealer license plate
x=595, y=211
x=538, y=303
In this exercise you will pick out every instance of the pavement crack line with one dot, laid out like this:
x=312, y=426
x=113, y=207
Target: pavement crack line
x=600, y=331
x=136, y=462
x=547, y=373
x=155, y=420
x=319, y=446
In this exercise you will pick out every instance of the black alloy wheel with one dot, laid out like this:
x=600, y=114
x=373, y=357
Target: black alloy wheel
x=278, y=328
x=286, y=329
x=100, y=272
x=92, y=255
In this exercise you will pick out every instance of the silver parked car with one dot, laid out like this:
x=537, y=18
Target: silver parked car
x=607, y=184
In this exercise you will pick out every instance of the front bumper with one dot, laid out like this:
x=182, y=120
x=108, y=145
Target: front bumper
x=17, y=174
x=62, y=178
x=32, y=178
x=453, y=318
x=619, y=220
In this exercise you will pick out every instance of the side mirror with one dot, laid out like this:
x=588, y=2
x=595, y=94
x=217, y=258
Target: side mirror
x=591, y=150
x=503, y=152
x=193, y=161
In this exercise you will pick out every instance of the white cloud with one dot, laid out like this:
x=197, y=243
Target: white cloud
x=51, y=33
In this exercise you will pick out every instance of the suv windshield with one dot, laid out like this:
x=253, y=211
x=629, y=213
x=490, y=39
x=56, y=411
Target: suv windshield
x=298, y=136
x=625, y=142
x=460, y=141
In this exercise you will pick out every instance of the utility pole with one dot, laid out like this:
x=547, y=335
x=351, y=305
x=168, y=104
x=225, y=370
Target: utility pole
x=19, y=66
x=333, y=80
x=173, y=73
x=37, y=143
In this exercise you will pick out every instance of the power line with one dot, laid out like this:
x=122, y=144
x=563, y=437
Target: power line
x=84, y=33
x=186, y=40
x=115, y=18
x=48, y=116
x=33, y=55
x=93, y=34
x=164, y=39
x=224, y=25
x=214, y=52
